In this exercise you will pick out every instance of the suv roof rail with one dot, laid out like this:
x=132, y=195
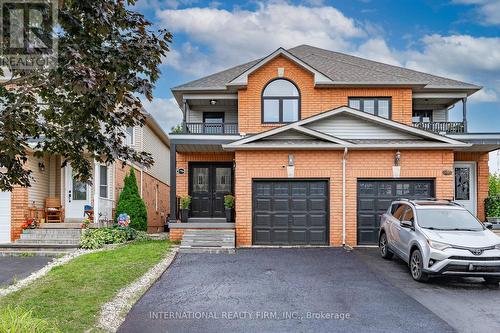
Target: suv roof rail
x=413, y=201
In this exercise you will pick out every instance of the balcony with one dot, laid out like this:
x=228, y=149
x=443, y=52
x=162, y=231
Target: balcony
x=210, y=128
x=441, y=127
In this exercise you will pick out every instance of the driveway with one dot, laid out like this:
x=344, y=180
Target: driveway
x=17, y=268
x=278, y=290
x=467, y=304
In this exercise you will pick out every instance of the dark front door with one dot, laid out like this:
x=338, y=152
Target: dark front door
x=290, y=212
x=208, y=184
x=375, y=196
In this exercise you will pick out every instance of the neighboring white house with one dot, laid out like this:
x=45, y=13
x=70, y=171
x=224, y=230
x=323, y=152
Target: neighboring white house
x=495, y=161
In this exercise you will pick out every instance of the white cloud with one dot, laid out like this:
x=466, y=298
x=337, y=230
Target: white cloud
x=165, y=111
x=487, y=10
x=237, y=36
x=377, y=49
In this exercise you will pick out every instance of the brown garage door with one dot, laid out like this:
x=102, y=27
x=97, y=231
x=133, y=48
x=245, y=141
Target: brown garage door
x=375, y=196
x=290, y=212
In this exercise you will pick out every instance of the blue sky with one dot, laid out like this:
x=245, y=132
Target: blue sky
x=456, y=38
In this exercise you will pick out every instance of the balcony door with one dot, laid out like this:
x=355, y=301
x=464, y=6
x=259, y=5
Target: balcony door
x=213, y=122
x=208, y=184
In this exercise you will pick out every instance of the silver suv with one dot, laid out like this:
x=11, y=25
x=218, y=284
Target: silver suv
x=439, y=237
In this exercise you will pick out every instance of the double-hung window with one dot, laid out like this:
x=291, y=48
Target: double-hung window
x=103, y=181
x=377, y=106
x=280, y=102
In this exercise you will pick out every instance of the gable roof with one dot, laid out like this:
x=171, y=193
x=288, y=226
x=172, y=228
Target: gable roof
x=337, y=68
x=409, y=137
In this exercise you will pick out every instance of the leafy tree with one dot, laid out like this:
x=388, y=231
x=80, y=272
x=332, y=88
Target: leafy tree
x=131, y=203
x=108, y=57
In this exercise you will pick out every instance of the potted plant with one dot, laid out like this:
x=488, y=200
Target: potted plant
x=229, y=205
x=185, y=202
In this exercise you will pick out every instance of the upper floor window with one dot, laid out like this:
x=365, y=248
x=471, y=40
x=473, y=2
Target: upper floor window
x=280, y=102
x=377, y=106
x=129, y=136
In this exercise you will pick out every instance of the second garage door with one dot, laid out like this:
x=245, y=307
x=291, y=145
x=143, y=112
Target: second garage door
x=375, y=196
x=290, y=212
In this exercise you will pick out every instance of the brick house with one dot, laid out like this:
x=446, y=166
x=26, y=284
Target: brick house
x=52, y=180
x=315, y=144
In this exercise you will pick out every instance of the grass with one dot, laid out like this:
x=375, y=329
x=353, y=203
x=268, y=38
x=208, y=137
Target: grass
x=71, y=295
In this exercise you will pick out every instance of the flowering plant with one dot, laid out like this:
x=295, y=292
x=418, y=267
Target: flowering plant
x=123, y=220
x=85, y=223
x=30, y=223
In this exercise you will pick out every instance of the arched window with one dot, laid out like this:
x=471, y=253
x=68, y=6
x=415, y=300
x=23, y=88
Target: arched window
x=280, y=102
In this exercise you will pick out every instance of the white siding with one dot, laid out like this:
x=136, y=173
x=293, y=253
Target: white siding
x=440, y=115
x=161, y=154
x=349, y=127
x=5, y=217
x=40, y=188
x=290, y=135
x=230, y=116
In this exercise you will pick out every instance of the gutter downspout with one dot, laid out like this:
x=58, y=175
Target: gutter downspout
x=142, y=179
x=344, y=158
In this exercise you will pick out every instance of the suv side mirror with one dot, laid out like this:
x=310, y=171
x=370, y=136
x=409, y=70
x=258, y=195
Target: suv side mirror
x=488, y=225
x=406, y=224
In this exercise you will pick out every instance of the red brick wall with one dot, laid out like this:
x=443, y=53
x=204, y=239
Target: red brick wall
x=328, y=164
x=19, y=209
x=313, y=100
x=482, y=173
x=156, y=217
x=184, y=158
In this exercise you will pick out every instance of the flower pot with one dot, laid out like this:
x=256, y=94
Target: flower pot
x=493, y=219
x=229, y=214
x=184, y=215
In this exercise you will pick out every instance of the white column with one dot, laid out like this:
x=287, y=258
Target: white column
x=96, y=191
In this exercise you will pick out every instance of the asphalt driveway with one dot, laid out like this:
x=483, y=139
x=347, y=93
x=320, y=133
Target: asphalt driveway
x=17, y=268
x=278, y=290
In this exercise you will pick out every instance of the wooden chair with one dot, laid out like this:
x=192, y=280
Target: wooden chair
x=53, y=210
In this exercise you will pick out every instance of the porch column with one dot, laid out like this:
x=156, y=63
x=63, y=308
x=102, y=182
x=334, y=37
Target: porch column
x=97, y=178
x=464, y=113
x=173, y=182
x=184, y=117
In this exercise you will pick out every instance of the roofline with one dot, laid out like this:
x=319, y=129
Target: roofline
x=333, y=146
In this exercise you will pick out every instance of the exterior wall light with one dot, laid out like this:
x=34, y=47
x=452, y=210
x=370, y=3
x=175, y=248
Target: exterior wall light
x=41, y=166
x=213, y=102
x=396, y=169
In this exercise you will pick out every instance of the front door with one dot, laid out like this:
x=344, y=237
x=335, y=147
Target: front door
x=209, y=183
x=77, y=195
x=465, y=185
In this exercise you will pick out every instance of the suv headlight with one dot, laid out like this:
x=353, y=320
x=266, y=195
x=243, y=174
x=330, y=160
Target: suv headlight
x=438, y=245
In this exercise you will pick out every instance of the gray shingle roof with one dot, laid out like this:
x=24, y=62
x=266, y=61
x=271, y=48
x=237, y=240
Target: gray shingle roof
x=340, y=68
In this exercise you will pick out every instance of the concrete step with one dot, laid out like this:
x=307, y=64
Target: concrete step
x=61, y=241
x=52, y=231
x=36, y=249
x=207, y=220
x=4, y=253
x=64, y=225
x=210, y=241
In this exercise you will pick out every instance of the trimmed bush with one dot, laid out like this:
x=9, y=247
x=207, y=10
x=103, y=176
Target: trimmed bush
x=96, y=238
x=22, y=321
x=492, y=202
x=131, y=203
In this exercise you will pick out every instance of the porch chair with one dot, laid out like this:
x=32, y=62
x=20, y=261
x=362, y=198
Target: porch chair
x=53, y=210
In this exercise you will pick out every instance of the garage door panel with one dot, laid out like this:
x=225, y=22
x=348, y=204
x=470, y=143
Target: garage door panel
x=280, y=221
x=297, y=207
x=299, y=204
x=375, y=196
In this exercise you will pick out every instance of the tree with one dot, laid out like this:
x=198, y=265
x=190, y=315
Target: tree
x=108, y=57
x=131, y=203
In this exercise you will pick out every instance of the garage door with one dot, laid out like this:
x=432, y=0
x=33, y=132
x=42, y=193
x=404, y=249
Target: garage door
x=375, y=196
x=290, y=212
x=4, y=217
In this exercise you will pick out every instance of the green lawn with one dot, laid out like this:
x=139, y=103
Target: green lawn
x=71, y=295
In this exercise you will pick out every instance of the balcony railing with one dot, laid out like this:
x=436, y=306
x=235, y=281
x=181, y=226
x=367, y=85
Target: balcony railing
x=441, y=127
x=210, y=128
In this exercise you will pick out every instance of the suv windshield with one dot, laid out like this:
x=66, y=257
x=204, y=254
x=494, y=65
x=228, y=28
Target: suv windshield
x=448, y=219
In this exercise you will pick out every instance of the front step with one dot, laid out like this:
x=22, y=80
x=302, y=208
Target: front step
x=16, y=249
x=63, y=225
x=207, y=220
x=208, y=241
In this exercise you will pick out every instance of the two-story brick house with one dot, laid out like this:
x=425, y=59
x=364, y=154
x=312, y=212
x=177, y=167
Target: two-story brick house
x=314, y=145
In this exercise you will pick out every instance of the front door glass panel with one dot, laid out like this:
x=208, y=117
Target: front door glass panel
x=462, y=183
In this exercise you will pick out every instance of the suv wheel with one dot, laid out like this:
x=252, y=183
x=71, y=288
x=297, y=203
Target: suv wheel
x=416, y=267
x=383, y=247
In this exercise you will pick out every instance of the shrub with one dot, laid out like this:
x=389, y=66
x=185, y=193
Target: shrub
x=494, y=185
x=131, y=203
x=185, y=201
x=22, y=321
x=492, y=202
x=229, y=201
x=141, y=236
x=96, y=238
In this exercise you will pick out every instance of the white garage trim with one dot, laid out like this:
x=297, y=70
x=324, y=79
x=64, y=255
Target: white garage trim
x=5, y=217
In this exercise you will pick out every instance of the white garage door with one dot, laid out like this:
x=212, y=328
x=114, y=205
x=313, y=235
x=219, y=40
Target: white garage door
x=4, y=217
